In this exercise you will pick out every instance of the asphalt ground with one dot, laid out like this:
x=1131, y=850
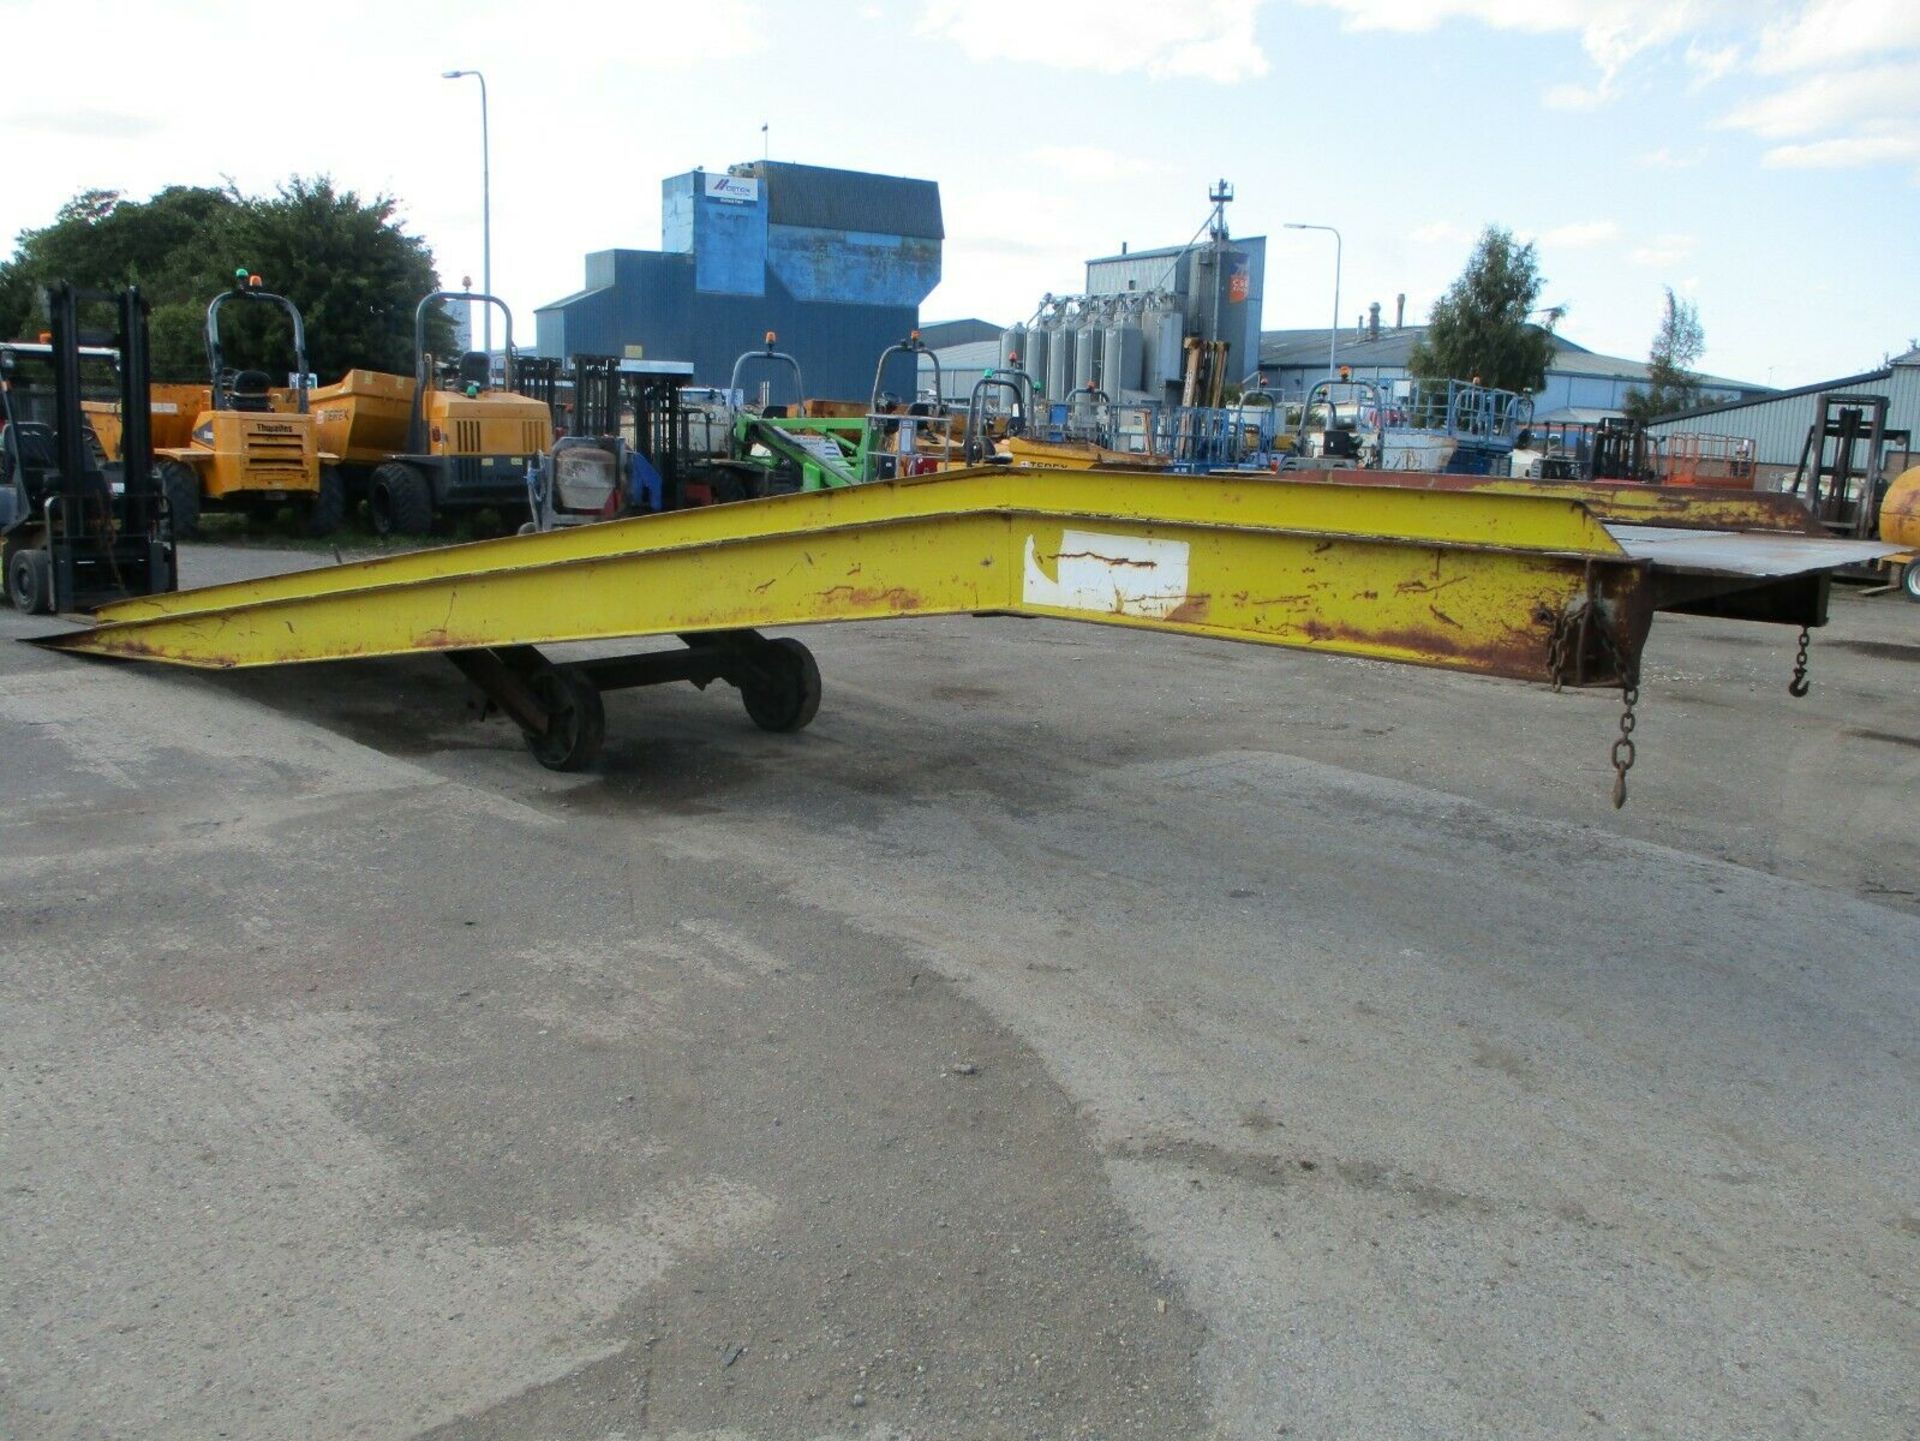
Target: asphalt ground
x=1074, y=1033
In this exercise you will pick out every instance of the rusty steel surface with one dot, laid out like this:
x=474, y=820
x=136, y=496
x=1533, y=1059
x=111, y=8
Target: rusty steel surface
x=1900, y=510
x=1465, y=581
x=1691, y=507
x=1742, y=553
x=1476, y=579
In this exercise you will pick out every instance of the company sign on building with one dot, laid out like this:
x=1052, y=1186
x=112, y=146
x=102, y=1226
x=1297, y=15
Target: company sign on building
x=733, y=189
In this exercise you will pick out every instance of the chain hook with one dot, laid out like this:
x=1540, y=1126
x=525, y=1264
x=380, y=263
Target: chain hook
x=1799, y=685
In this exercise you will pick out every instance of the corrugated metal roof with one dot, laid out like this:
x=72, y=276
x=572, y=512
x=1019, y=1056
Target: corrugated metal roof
x=1574, y=415
x=821, y=198
x=1309, y=348
x=958, y=332
x=1844, y=383
x=1283, y=349
x=1165, y=252
x=960, y=365
x=564, y=301
x=1778, y=424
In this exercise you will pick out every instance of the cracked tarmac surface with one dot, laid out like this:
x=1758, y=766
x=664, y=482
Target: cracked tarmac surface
x=1073, y=1033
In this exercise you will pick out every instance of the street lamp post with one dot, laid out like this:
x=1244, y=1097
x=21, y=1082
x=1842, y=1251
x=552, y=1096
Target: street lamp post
x=1333, y=336
x=486, y=207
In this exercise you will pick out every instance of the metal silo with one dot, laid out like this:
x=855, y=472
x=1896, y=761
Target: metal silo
x=1013, y=346
x=1167, y=363
x=1088, y=343
x=1122, y=354
x=1034, y=357
x=1059, y=357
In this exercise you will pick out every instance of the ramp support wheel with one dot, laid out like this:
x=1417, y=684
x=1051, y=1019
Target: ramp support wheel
x=558, y=707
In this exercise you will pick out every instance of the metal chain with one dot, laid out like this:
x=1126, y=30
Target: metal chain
x=1799, y=685
x=1624, y=751
x=1623, y=748
x=1566, y=626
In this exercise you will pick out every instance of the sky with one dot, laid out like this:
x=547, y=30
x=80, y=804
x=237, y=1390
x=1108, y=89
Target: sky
x=1762, y=157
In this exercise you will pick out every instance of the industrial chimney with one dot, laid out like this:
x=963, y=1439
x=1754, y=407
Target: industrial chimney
x=1399, y=310
x=1373, y=321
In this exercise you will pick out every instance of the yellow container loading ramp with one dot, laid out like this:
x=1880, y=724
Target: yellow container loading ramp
x=1518, y=581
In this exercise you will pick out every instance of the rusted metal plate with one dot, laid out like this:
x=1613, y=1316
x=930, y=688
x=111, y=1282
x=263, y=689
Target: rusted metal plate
x=1480, y=579
x=1743, y=553
x=1687, y=507
x=1472, y=582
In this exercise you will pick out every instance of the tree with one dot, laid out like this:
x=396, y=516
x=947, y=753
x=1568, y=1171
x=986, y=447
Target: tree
x=349, y=266
x=166, y=245
x=1672, y=384
x=352, y=269
x=1480, y=327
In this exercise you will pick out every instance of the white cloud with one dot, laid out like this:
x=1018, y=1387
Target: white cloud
x=1440, y=232
x=1612, y=32
x=1663, y=251
x=1667, y=158
x=1574, y=97
x=1711, y=62
x=1200, y=40
x=1581, y=235
x=1830, y=32
x=83, y=124
x=1094, y=162
x=1847, y=71
x=1829, y=101
x=1844, y=153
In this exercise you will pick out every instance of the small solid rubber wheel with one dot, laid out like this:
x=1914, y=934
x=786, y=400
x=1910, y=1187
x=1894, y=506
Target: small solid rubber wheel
x=329, y=504
x=180, y=483
x=30, y=582
x=784, y=692
x=1910, y=580
x=399, y=501
x=576, y=720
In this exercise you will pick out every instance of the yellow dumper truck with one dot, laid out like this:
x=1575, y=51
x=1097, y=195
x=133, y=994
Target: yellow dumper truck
x=442, y=441
x=249, y=446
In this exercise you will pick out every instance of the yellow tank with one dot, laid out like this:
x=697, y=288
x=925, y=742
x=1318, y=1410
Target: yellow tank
x=1900, y=511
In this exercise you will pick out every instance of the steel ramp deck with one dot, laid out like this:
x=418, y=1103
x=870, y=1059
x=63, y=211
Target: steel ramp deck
x=1470, y=580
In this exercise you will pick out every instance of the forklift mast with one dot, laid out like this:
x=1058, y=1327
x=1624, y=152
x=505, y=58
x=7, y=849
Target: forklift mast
x=90, y=529
x=136, y=435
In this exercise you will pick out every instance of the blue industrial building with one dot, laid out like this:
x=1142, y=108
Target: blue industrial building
x=836, y=262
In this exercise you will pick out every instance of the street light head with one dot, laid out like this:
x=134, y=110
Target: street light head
x=454, y=74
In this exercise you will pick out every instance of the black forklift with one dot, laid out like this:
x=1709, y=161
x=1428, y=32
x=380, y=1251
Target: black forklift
x=80, y=530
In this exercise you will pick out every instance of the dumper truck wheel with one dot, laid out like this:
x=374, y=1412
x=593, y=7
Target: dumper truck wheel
x=328, y=507
x=399, y=501
x=576, y=720
x=1910, y=580
x=783, y=692
x=180, y=483
x=30, y=581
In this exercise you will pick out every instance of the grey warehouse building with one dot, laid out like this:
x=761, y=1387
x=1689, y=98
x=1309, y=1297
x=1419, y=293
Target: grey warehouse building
x=836, y=262
x=1582, y=386
x=1778, y=423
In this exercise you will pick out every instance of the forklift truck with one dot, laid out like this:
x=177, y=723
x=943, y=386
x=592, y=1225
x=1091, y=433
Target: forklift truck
x=77, y=529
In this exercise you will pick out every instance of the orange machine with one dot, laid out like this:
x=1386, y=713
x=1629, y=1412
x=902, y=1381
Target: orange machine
x=445, y=440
